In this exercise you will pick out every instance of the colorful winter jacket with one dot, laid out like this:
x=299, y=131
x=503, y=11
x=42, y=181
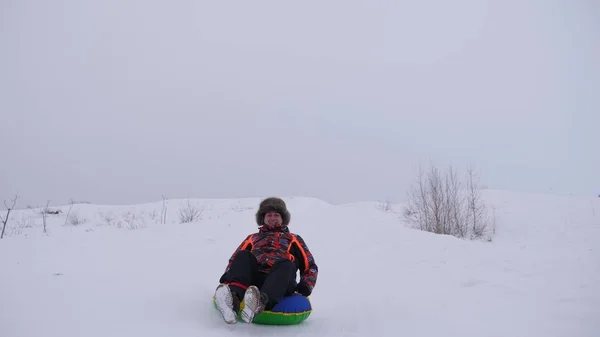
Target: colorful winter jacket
x=271, y=245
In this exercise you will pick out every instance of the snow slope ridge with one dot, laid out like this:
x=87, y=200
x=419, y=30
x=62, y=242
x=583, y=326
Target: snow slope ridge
x=121, y=272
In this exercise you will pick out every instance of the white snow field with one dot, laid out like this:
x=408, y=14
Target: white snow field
x=539, y=277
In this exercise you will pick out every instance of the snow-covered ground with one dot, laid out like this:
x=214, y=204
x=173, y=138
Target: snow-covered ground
x=123, y=273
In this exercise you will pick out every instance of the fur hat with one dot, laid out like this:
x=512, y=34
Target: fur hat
x=272, y=205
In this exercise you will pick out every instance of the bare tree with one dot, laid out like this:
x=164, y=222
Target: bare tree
x=477, y=212
x=163, y=214
x=8, y=209
x=493, y=220
x=453, y=205
x=71, y=202
x=189, y=213
x=417, y=210
x=44, y=214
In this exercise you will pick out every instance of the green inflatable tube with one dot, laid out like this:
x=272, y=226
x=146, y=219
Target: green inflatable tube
x=291, y=310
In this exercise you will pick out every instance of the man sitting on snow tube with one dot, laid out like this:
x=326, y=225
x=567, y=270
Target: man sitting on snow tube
x=262, y=270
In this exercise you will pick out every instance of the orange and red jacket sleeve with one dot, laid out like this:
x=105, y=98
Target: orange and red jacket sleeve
x=245, y=245
x=307, y=265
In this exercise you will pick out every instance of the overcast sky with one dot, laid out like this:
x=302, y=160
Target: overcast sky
x=120, y=101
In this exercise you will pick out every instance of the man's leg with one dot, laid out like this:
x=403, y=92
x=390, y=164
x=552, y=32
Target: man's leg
x=264, y=295
x=242, y=273
x=280, y=282
x=234, y=284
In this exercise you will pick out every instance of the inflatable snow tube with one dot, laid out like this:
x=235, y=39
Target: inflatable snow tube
x=293, y=309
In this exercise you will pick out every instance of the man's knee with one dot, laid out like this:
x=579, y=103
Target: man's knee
x=285, y=265
x=244, y=255
x=286, y=270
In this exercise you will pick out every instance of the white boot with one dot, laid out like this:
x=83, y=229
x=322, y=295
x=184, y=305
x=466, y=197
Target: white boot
x=227, y=303
x=254, y=304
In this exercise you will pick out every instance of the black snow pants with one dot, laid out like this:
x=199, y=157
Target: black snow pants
x=279, y=282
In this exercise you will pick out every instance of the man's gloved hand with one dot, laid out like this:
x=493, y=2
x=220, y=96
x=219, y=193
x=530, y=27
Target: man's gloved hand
x=303, y=289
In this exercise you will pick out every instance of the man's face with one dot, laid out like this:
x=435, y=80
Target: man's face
x=273, y=219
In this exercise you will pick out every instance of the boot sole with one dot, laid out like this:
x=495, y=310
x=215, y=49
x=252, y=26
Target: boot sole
x=224, y=303
x=251, y=304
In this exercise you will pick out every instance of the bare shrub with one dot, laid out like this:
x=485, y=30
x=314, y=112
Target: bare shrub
x=437, y=203
x=154, y=215
x=109, y=218
x=8, y=209
x=493, y=222
x=15, y=231
x=132, y=221
x=385, y=205
x=76, y=220
x=26, y=222
x=189, y=213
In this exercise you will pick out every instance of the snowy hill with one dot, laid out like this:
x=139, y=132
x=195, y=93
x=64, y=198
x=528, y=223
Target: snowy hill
x=121, y=272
